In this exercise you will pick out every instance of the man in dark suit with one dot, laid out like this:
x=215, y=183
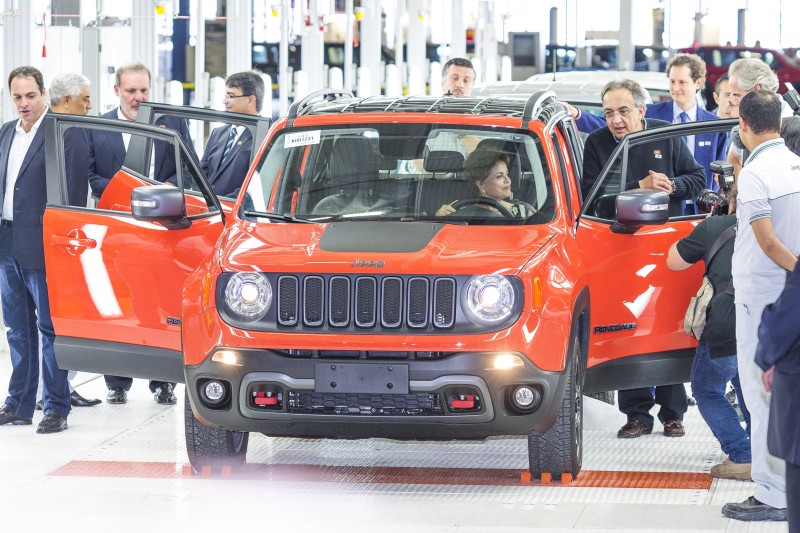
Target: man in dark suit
x=227, y=154
x=778, y=354
x=106, y=155
x=108, y=149
x=69, y=94
x=662, y=165
x=23, y=283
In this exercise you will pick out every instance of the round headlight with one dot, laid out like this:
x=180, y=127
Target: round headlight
x=489, y=299
x=248, y=294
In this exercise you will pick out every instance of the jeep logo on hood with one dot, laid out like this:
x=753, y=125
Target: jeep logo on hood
x=358, y=263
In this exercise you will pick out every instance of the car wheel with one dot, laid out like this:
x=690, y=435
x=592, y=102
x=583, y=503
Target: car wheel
x=559, y=450
x=214, y=448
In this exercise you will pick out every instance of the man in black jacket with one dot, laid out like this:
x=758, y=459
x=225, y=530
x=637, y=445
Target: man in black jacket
x=665, y=165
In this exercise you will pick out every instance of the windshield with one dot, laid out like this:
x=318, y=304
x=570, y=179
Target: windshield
x=402, y=171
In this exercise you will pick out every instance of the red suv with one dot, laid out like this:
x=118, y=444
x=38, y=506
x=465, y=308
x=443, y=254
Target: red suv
x=329, y=299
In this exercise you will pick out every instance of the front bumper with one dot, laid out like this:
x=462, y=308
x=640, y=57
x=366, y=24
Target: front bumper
x=420, y=407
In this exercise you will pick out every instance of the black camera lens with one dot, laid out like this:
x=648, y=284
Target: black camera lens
x=710, y=202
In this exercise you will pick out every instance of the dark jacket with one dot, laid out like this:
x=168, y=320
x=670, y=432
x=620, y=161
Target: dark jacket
x=107, y=154
x=779, y=346
x=226, y=174
x=669, y=156
x=30, y=196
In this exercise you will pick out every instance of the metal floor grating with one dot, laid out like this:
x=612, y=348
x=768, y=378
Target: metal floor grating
x=125, y=468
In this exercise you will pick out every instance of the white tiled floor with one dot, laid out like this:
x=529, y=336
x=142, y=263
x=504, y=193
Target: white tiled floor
x=37, y=494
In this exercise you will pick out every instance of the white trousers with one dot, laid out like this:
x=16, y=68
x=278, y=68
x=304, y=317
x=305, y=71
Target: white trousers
x=768, y=471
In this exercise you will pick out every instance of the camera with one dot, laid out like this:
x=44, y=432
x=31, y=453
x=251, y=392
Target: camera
x=716, y=203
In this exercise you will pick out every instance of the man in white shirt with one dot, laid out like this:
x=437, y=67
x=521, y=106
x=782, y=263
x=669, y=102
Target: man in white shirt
x=23, y=282
x=767, y=244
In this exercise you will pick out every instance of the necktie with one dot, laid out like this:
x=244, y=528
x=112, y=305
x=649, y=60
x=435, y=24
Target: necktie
x=229, y=144
x=685, y=118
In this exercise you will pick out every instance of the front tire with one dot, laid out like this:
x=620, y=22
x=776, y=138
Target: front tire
x=214, y=448
x=560, y=449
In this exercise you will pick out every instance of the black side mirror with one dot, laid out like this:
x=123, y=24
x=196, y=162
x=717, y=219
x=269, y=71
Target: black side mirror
x=164, y=204
x=640, y=207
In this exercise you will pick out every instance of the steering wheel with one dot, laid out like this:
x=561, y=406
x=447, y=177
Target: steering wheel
x=503, y=210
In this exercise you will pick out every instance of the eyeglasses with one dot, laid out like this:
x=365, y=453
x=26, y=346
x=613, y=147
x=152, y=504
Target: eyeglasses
x=624, y=112
x=229, y=96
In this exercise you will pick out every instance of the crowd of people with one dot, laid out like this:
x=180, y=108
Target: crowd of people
x=752, y=341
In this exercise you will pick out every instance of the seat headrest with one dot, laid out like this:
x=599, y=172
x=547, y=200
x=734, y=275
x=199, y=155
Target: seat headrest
x=443, y=161
x=353, y=160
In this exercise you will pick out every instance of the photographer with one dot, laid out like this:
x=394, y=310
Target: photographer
x=715, y=361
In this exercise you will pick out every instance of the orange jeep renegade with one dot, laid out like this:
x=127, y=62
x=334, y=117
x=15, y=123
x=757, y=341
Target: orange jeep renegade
x=330, y=300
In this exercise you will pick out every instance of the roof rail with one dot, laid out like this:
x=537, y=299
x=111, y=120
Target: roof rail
x=317, y=96
x=535, y=104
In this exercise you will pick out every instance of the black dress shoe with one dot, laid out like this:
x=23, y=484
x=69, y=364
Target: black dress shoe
x=7, y=417
x=76, y=400
x=117, y=395
x=164, y=394
x=52, y=423
x=39, y=405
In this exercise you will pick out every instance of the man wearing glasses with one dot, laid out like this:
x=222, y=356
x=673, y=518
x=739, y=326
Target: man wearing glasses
x=666, y=165
x=227, y=154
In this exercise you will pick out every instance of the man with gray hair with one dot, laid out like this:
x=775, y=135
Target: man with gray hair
x=746, y=75
x=69, y=93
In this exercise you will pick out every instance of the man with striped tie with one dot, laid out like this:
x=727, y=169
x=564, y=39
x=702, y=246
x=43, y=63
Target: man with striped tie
x=227, y=154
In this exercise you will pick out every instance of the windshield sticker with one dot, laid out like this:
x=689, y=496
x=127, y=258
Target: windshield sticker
x=301, y=139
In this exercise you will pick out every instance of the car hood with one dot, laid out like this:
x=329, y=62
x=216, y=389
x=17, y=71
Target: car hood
x=380, y=247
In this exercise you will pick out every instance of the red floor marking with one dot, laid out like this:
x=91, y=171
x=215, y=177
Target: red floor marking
x=388, y=475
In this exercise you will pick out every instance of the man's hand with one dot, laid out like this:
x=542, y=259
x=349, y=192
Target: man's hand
x=574, y=111
x=658, y=181
x=766, y=378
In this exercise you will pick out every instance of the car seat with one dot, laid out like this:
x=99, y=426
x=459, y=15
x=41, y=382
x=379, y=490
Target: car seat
x=353, y=169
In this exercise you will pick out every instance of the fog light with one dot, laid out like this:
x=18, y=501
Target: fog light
x=214, y=391
x=505, y=361
x=525, y=398
x=226, y=357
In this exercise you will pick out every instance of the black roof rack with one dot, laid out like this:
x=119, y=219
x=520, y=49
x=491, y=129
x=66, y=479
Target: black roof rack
x=325, y=102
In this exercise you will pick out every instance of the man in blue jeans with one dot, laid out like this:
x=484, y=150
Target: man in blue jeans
x=715, y=361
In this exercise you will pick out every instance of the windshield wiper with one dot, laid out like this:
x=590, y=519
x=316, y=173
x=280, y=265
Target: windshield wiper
x=284, y=217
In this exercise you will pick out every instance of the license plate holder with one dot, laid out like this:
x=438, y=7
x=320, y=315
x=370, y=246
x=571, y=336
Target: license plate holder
x=361, y=378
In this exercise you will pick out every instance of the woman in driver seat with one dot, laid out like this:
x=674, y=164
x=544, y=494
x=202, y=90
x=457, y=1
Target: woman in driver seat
x=487, y=173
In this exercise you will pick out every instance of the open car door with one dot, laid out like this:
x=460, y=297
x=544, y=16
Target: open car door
x=115, y=279
x=636, y=336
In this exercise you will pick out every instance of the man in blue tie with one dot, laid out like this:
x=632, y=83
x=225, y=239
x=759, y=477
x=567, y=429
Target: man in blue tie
x=227, y=154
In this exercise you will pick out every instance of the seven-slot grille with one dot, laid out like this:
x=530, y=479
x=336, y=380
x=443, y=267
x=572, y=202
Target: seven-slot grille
x=390, y=302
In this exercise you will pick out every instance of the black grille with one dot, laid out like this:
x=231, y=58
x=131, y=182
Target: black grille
x=319, y=403
x=366, y=302
x=313, y=301
x=287, y=301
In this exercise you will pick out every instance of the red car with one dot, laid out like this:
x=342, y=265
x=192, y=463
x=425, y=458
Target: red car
x=718, y=58
x=329, y=299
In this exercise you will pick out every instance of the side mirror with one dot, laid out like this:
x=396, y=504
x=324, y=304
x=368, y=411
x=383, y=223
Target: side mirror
x=640, y=207
x=164, y=204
